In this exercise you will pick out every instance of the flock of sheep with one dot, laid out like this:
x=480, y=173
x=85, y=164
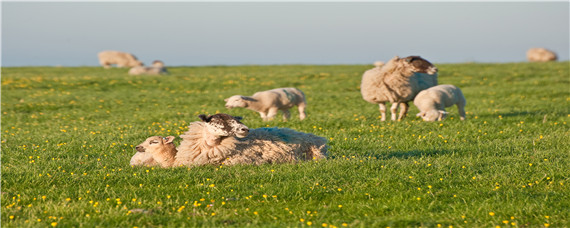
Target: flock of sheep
x=222, y=139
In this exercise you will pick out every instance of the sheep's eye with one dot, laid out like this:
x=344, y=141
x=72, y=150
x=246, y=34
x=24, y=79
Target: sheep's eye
x=153, y=142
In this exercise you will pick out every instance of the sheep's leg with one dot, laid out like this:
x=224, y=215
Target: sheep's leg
x=403, y=110
x=302, y=113
x=461, y=109
x=272, y=113
x=286, y=114
x=382, y=111
x=393, y=110
x=263, y=116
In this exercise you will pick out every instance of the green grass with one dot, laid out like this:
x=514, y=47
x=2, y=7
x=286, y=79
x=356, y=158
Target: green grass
x=68, y=135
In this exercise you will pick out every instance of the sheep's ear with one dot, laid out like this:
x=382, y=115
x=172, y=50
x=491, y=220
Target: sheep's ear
x=243, y=97
x=238, y=118
x=169, y=139
x=205, y=118
x=226, y=100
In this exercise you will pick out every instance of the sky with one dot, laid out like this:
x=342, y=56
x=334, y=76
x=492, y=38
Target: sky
x=267, y=33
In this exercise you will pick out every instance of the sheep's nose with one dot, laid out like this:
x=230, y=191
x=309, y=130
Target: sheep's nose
x=139, y=148
x=244, y=130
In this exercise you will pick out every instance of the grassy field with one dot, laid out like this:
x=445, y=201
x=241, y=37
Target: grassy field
x=68, y=135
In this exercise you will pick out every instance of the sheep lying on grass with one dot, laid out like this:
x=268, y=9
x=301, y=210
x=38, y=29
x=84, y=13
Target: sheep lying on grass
x=121, y=59
x=397, y=82
x=155, y=150
x=433, y=101
x=540, y=55
x=267, y=103
x=223, y=139
x=157, y=68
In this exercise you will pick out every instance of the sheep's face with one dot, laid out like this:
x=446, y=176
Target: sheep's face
x=225, y=125
x=433, y=115
x=156, y=143
x=236, y=101
x=138, y=63
x=417, y=64
x=157, y=63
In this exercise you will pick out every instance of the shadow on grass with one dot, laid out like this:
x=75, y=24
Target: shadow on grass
x=401, y=154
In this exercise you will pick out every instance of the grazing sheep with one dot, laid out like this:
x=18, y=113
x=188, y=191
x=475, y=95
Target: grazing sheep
x=267, y=103
x=223, y=139
x=397, y=82
x=157, y=68
x=540, y=55
x=155, y=150
x=433, y=101
x=121, y=59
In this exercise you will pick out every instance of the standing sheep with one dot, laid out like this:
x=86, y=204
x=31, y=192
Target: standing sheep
x=223, y=139
x=433, y=101
x=157, y=68
x=121, y=59
x=540, y=55
x=267, y=103
x=155, y=150
x=397, y=82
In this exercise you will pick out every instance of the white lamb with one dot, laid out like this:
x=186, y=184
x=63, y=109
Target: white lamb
x=433, y=101
x=397, y=82
x=121, y=59
x=540, y=55
x=157, y=68
x=155, y=150
x=267, y=103
x=223, y=139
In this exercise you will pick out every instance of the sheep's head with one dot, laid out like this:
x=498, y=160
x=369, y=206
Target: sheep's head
x=157, y=63
x=138, y=63
x=433, y=115
x=156, y=143
x=225, y=125
x=236, y=101
x=413, y=64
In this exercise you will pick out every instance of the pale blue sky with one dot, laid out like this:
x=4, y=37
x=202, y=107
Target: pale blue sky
x=234, y=33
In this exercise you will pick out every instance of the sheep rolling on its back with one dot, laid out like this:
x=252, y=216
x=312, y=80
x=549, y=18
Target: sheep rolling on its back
x=398, y=82
x=433, y=101
x=121, y=59
x=267, y=103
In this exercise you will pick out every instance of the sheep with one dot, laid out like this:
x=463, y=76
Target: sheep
x=155, y=150
x=379, y=63
x=540, y=55
x=157, y=68
x=397, y=82
x=433, y=101
x=267, y=103
x=121, y=59
x=221, y=139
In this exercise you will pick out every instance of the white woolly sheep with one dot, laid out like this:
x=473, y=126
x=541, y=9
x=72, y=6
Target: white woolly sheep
x=267, y=103
x=223, y=139
x=433, y=101
x=157, y=68
x=155, y=150
x=121, y=59
x=540, y=55
x=397, y=82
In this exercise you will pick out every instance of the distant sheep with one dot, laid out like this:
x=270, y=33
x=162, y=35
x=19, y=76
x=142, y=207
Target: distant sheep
x=540, y=55
x=397, y=82
x=267, y=103
x=223, y=139
x=157, y=68
x=121, y=59
x=433, y=101
x=155, y=150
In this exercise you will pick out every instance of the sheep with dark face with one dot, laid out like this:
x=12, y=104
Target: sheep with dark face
x=223, y=139
x=397, y=82
x=155, y=150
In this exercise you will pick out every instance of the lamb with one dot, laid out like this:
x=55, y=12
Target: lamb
x=121, y=59
x=540, y=55
x=267, y=103
x=157, y=68
x=155, y=150
x=222, y=139
x=397, y=82
x=433, y=101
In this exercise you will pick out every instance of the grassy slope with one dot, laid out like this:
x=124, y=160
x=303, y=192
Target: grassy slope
x=68, y=135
